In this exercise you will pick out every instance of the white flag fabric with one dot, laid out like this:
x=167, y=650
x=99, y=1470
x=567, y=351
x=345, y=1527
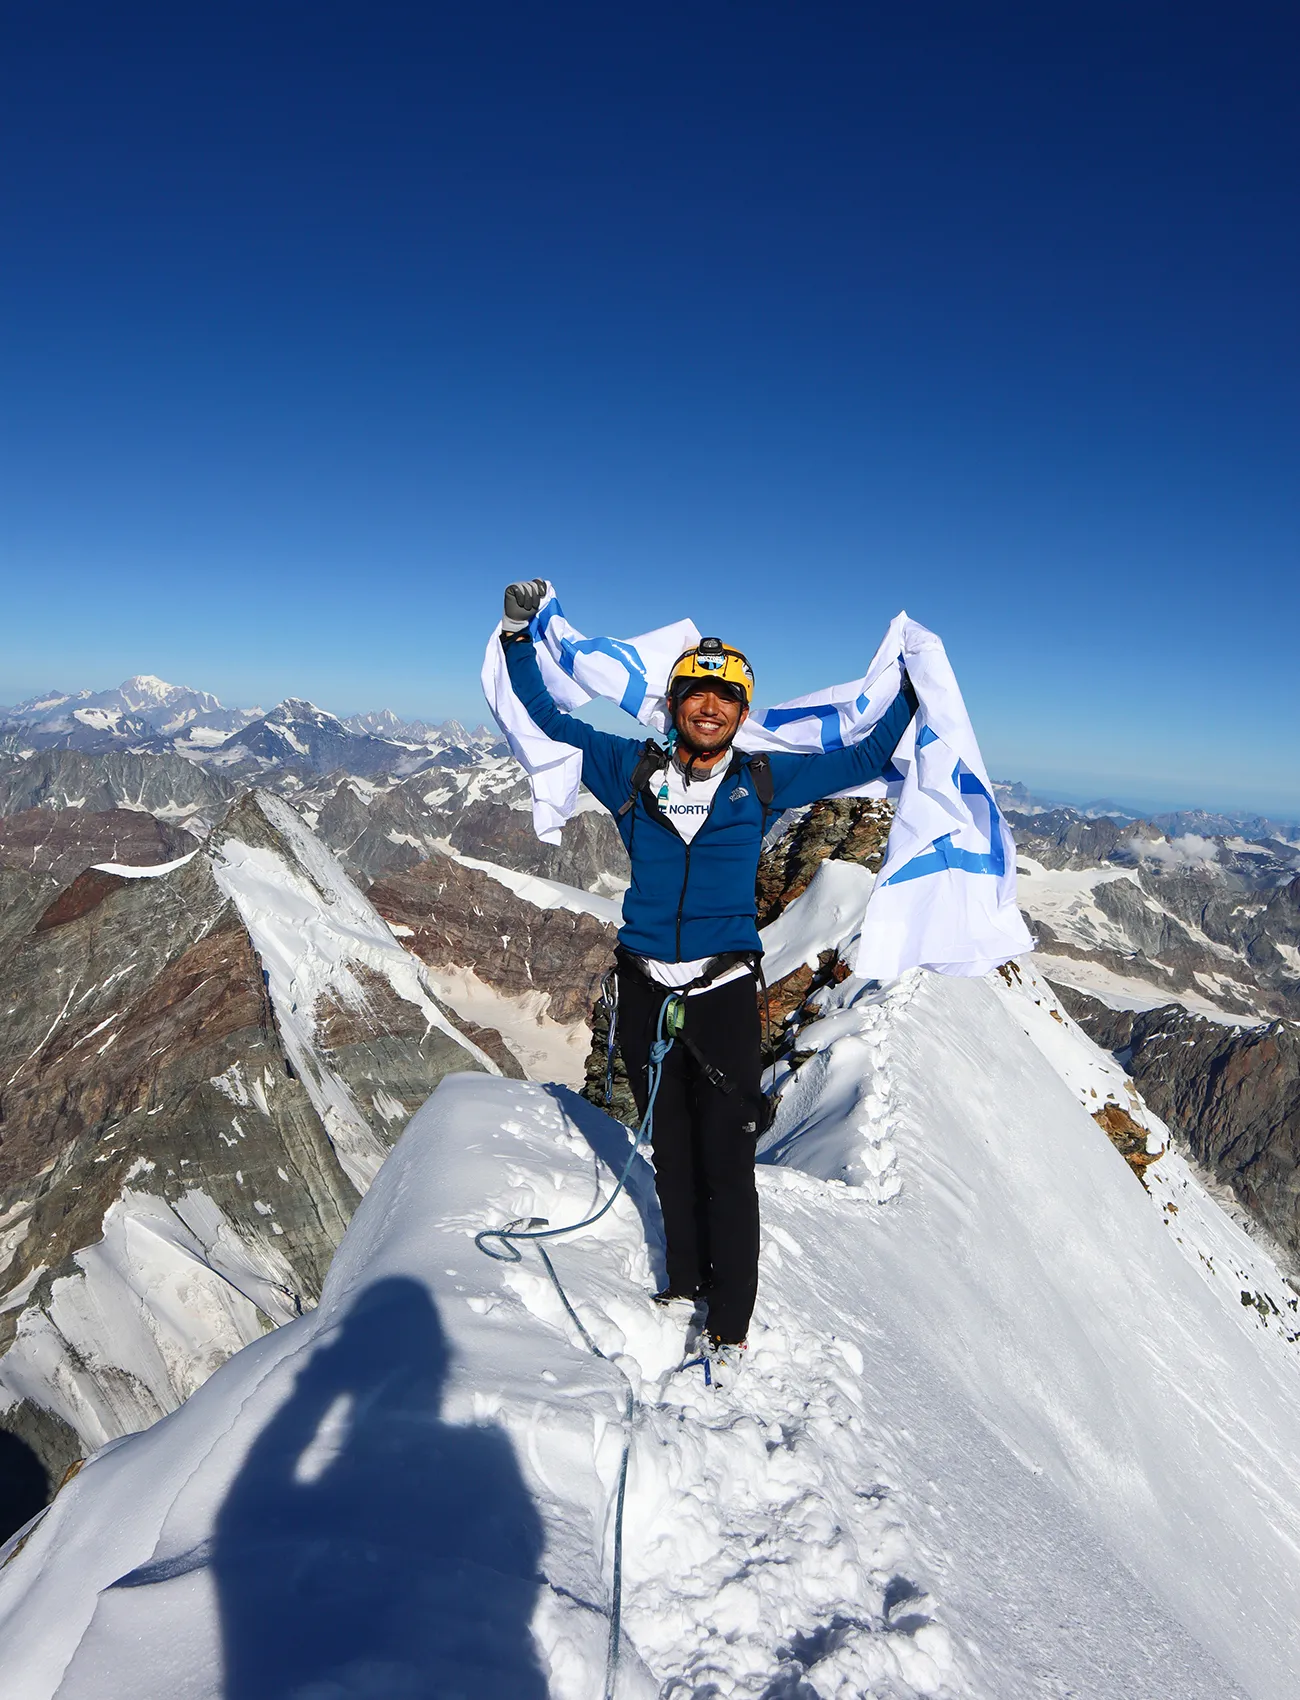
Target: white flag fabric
x=633, y=672
x=945, y=897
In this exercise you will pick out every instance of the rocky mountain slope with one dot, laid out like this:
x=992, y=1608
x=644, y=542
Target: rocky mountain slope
x=386, y=824
x=62, y=842
x=166, y=786
x=1230, y=1094
x=203, y=1065
x=1129, y=914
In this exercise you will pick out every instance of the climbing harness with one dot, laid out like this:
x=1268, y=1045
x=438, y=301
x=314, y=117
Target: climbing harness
x=535, y=1228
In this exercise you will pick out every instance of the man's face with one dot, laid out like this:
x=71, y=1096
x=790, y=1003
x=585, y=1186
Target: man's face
x=709, y=718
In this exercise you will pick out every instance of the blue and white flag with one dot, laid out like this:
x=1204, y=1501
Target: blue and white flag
x=945, y=897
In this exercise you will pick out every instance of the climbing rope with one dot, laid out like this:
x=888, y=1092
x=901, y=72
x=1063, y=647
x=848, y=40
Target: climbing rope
x=535, y=1228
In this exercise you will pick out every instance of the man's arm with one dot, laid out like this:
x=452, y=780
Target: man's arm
x=605, y=756
x=806, y=779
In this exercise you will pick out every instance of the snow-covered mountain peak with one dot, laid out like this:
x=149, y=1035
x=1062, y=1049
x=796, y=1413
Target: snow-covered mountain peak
x=146, y=690
x=301, y=708
x=43, y=702
x=380, y=723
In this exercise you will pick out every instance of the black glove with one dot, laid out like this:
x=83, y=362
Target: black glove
x=522, y=603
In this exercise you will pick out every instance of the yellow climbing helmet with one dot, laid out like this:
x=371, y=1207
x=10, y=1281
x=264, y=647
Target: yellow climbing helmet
x=715, y=663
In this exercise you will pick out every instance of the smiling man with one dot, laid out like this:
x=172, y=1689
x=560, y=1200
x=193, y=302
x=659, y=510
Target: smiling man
x=692, y=816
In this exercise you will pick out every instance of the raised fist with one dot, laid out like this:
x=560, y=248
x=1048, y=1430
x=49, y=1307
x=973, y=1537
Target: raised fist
x=522, y=602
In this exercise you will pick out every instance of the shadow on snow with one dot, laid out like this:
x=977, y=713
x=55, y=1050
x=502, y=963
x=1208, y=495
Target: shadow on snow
x=367, y=1550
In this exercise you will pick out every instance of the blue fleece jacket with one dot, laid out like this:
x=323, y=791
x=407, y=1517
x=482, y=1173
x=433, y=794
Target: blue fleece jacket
x=696, y=900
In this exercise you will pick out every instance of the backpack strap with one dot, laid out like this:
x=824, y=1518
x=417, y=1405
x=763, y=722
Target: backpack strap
x=653, y=756
x=761, y=770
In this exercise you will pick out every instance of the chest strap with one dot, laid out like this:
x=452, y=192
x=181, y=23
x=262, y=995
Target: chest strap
x=653, y=757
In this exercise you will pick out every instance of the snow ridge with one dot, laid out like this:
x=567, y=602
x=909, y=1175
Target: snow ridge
x=997, y=1436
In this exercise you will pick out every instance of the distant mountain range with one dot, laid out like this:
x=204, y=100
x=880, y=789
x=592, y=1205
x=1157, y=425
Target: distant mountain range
x=1013, y=797
x=146, y=715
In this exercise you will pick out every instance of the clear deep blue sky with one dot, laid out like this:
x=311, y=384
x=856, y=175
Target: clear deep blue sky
x=322, y=321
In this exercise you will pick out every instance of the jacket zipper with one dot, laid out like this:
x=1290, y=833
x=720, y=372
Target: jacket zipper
x=681, y=901
x=734, y=764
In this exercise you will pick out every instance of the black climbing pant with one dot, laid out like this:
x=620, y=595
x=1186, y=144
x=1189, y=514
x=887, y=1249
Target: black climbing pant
x=704, y=1138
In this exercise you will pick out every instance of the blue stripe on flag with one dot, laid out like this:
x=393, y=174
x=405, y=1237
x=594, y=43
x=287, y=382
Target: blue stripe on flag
x=634, y=692
x=943, y=853
x=544, y=615
x=825, y=712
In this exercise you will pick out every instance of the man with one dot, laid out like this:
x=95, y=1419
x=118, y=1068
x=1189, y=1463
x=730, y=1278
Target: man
x=693, y=818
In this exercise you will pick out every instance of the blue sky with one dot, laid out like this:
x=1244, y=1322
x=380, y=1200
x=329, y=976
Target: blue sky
x=320, y=322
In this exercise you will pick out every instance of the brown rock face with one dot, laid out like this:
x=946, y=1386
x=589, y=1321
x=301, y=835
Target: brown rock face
x=62, y=842
x=86, y=892
x=461, y=917
x=1230, y=1094
x=160, y=992
x=1126, y=1136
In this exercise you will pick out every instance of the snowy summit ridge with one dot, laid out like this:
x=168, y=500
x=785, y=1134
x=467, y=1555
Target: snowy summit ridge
x=1005, y=1429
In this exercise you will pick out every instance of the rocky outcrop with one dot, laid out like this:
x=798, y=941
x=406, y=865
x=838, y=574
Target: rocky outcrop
x=848, y=829
x=1127, y=1136
x=1231, y=1095
x=460, y=917
x=61, y=842
x=589, y=854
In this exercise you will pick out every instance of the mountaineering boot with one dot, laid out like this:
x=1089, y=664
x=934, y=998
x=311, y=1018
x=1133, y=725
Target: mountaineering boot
x=672, y=1295
x=722, y=1359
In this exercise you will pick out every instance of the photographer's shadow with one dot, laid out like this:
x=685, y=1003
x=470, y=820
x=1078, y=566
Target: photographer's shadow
x=369, y=1551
